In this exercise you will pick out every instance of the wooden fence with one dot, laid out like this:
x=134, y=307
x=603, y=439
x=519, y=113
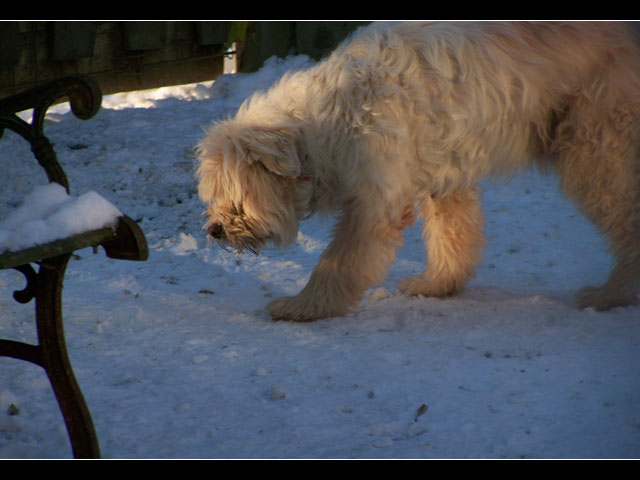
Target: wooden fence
x=133, y=55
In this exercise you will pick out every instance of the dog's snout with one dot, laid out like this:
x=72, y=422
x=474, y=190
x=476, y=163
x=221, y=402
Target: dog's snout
x=216, y=230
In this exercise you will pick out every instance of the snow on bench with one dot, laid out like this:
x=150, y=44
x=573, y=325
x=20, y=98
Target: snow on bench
x=48, y=213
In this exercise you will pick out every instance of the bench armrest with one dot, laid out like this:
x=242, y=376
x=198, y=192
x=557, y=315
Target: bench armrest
x=85, y=98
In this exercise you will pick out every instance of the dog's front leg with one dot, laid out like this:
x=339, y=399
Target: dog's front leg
x=359, y=256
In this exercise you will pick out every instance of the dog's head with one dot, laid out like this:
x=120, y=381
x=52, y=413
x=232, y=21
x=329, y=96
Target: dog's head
x=249, y=175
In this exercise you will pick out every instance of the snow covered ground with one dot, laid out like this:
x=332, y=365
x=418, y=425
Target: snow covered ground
x=177, y=357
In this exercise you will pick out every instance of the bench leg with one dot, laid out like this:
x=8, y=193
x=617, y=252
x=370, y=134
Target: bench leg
x=55, y=360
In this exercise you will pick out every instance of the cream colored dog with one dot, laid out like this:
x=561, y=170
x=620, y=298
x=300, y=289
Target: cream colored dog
x=409, y=117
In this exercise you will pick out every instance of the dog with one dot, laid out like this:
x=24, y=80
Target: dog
x=407, y=118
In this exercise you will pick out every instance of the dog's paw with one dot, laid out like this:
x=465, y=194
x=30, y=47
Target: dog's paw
x=425, y=287
x=287, y=308
x=300, y=309
x=603, y=298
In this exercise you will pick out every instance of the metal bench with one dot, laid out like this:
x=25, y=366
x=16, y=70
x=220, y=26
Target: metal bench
x=126, y=242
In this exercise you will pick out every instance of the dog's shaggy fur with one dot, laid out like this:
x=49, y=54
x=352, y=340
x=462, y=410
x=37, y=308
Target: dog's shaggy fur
x=409, y=117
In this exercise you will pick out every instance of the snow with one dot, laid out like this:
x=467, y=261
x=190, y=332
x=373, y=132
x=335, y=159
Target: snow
x=177, y=357
x=48, y=213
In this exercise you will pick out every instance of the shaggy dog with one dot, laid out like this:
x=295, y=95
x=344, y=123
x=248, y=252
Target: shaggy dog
x=407, y=118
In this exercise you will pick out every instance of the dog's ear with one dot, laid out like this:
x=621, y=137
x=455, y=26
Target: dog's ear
x=275, y=149
x=208, y=173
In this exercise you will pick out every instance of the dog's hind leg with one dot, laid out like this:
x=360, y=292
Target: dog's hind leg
x=600, y=168
x=453, y=235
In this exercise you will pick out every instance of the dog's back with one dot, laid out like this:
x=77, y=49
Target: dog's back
x=503, y=86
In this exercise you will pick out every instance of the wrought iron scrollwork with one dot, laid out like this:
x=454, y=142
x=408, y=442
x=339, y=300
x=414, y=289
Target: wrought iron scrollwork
x=45, y=285
x=29, y=292
x=84, y=98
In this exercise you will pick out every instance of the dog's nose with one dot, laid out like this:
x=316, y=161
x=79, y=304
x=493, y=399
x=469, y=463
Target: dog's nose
x=216, y=230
